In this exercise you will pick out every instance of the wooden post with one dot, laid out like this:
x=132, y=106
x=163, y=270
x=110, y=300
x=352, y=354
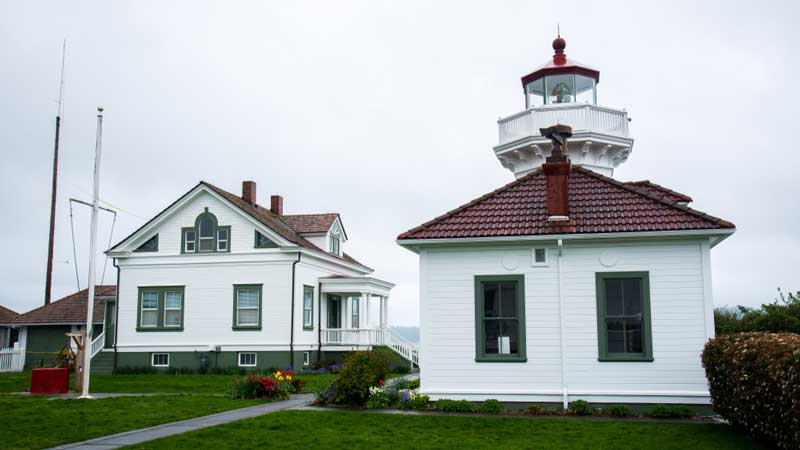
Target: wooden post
x=80, y=340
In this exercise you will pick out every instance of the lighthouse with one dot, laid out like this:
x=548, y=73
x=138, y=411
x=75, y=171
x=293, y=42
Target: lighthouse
x=564, y=92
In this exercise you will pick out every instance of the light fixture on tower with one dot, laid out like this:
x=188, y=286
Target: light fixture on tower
x=564, y=91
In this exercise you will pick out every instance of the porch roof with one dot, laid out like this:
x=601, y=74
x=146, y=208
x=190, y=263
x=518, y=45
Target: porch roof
x=338, y=284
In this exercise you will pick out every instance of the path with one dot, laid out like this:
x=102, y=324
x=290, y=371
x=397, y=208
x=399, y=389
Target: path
x=170, y=429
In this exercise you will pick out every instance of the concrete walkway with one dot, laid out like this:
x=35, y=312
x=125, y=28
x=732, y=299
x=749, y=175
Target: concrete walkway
x=170, y=429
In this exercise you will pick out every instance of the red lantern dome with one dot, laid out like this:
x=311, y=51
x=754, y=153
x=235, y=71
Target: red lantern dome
x=561, y=80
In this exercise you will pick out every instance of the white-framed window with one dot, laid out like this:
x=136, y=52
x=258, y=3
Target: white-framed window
x=306, y=358
x=308, y=307
x=190, y=241
x=222, y=240
x=205, y=232
x=247, y=359
x=247, y=307
x=539, y=256
x=173, y=308
x=335, y=239
x=354, y=313
x=149, y=312
x=159, y=359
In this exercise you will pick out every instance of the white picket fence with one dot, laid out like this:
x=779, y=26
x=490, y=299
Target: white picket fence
x=12, y=359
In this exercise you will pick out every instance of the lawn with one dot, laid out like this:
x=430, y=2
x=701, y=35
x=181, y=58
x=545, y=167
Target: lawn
x=34, y=422
x=154, y=384
x=312, y=429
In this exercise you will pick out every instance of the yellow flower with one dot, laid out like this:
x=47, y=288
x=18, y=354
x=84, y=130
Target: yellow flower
x=289, y=378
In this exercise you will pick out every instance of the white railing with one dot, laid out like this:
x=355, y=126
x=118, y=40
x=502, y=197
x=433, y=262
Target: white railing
x=12, y=359
x=98, y=343
x=371, y=337
x=582, y=117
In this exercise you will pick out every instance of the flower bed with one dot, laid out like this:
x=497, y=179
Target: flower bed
x=277, y=386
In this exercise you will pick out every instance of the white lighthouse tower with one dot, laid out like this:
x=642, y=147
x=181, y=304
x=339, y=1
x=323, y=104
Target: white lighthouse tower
x=564, y=91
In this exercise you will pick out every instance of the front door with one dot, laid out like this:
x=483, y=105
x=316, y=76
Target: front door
x=110, y=324
x=334, y=311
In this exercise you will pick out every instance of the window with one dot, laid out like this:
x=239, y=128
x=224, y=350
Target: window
x=247, y=307
x=159, y=359
x=150, y=245
x=173, y=304
x=160, y=308
x=206, y=236
x=335, y=244
x=308, y=307
x=335, y=239
x=306, y=358
x=222, y=239
x=623, y=316
x=539, y=257
x=354, y=313
x=247, y=359
x=500, y=318
x=190, y=241
x=263, y=241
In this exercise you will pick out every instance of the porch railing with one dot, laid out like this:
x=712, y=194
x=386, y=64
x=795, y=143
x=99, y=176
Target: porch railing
x=371, y=337
x=98, y=343
x=12, y=358
x=581, y=117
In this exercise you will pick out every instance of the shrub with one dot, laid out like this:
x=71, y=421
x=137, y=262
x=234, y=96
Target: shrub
x=491, y=406
x=670, y=412
x=246, y=388
x=754, y=380
x=454, y=405
x=412, y=400
x=536, y=409
x=400, y=370
x=378, y=398
x=405, y=384
x=581, y=408
x=782, y=315
x=618, y=410
x=361, y=371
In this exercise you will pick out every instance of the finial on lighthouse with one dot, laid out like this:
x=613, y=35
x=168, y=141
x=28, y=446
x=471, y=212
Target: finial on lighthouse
x=559, y=44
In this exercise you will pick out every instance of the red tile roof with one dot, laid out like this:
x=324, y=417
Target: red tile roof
x=597, y=204
x=660, y=191
x=310, y=223
x=70, y=309
x=7, y=315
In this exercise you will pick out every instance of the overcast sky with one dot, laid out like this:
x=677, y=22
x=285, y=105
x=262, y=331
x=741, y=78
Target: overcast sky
x=386, y=113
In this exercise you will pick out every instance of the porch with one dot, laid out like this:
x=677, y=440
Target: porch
x=355, y=316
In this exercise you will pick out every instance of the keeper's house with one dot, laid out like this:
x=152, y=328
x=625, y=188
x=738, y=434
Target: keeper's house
x=567, y=283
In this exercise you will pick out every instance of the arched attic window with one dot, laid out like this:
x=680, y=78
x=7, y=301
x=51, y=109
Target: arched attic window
x=335, y=239
x=206, y=236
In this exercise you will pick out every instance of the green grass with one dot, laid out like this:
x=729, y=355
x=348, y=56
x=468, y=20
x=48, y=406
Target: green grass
x=352, y=430
x=34, y=422
x=158, y=384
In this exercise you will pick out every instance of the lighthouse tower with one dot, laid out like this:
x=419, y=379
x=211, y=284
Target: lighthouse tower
x=564, y=91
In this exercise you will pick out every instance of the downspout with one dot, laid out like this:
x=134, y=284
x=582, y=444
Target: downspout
x=291, y=332
x=319, y=321
x=561, y=328
x=116, y=314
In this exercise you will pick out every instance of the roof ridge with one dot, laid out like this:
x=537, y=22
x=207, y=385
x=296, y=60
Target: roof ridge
x=715, y=220
x=471, y=203
x=662, y=188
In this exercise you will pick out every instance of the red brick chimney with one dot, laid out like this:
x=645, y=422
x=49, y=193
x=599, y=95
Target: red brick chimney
x=556, y=169
x=276, y=204
x=249, y=192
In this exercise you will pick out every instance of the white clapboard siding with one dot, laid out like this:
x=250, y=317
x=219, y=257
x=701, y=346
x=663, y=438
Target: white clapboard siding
x=678, y=304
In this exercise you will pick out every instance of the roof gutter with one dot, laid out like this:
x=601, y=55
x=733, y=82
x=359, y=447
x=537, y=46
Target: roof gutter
x=717, y=235
x=291, y=332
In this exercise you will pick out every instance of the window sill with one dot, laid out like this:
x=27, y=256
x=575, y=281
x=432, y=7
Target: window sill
x=159, y=329
x=246, y=328
x=618, y=359
x=517, y=359
x=305, y=328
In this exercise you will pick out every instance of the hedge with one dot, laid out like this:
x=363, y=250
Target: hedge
x=754, y=380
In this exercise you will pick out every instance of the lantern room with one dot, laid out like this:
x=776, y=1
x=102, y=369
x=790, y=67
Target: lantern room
x=560, y=81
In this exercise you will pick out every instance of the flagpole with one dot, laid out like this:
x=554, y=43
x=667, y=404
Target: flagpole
x=87, y=343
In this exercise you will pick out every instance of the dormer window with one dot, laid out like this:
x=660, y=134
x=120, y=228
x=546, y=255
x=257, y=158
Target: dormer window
x=207, y=236
x=335, y=239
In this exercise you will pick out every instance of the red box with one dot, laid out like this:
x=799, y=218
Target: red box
x=49, y=381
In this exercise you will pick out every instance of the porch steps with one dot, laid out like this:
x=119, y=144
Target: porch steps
x=103, y=363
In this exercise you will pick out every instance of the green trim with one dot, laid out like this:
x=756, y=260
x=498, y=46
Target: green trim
x=216, y=239
x=152, y=248
x=183, y=239
x=647, y=332
x=257, y=327
x=160, y=311
x=215, y=233
x=306, y=289
x=267, y=244
x=480, y=355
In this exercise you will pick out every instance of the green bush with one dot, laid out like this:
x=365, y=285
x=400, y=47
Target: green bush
x=361, y=371
x=581, y=408
x=661, y=411
x=618, y=410
x=446, y=405
x=379, y=399
x=395, y=363
x=780, y=316
x=491, y=406
x=754, y=381
x=246, y=388
x=417, y=402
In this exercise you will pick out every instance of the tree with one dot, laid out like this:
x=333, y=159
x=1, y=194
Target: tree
x=782, y=315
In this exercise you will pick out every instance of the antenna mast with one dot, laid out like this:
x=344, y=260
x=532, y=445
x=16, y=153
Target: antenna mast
x=49, y=280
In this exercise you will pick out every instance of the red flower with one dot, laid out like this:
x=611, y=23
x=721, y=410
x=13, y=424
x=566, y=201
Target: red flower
x=380, y=382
